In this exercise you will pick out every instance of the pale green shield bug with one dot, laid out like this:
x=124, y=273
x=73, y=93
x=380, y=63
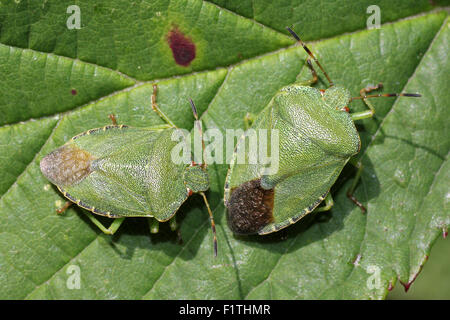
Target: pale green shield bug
x=120, y=171
x=316, y=138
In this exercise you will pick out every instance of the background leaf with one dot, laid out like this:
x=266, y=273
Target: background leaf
x=61, y=82
x=431, y=282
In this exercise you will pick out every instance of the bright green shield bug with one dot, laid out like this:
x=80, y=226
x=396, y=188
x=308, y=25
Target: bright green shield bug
x=119, y=171
x=316, y=137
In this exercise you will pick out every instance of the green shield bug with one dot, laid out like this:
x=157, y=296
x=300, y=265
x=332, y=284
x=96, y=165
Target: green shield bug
x=120, y=171
x=316, y=137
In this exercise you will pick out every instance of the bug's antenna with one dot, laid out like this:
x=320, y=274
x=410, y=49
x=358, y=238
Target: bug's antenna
x=363, y=96
x=388, y=95
x=194, y=109
x=199, y=128
x=213, y=225
x=310, y=54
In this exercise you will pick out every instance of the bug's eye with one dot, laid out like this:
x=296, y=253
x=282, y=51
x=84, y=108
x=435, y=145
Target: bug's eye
x=346, y=109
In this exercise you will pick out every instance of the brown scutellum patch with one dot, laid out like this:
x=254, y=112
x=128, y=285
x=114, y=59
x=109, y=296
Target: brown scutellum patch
x=66, y=165
x=250, y=207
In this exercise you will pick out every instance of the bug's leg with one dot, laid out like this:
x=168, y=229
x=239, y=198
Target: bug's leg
x=115, y=225
x=174, y=227
x=368, y=113
x=213, y=224
x=112, y=228
x=179, y=238
x=113, y=119
x=314, y=79
x=173, y=224
x=350, y=191
x=329, y=203
x=157, y=109
x=249, y=118
x=153, y=224
x=63, y=208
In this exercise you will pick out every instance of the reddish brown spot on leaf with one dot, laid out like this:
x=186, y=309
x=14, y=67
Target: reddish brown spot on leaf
x=73, y=92
x=183, y=49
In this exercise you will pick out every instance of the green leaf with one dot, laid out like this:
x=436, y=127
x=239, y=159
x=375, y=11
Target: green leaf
x=40, y=84
x=70, y=80
x=132, y=37
x=321, y=18
x=434, y=274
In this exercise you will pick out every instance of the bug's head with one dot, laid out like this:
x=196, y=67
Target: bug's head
x=338, y=97
x=196, y=178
